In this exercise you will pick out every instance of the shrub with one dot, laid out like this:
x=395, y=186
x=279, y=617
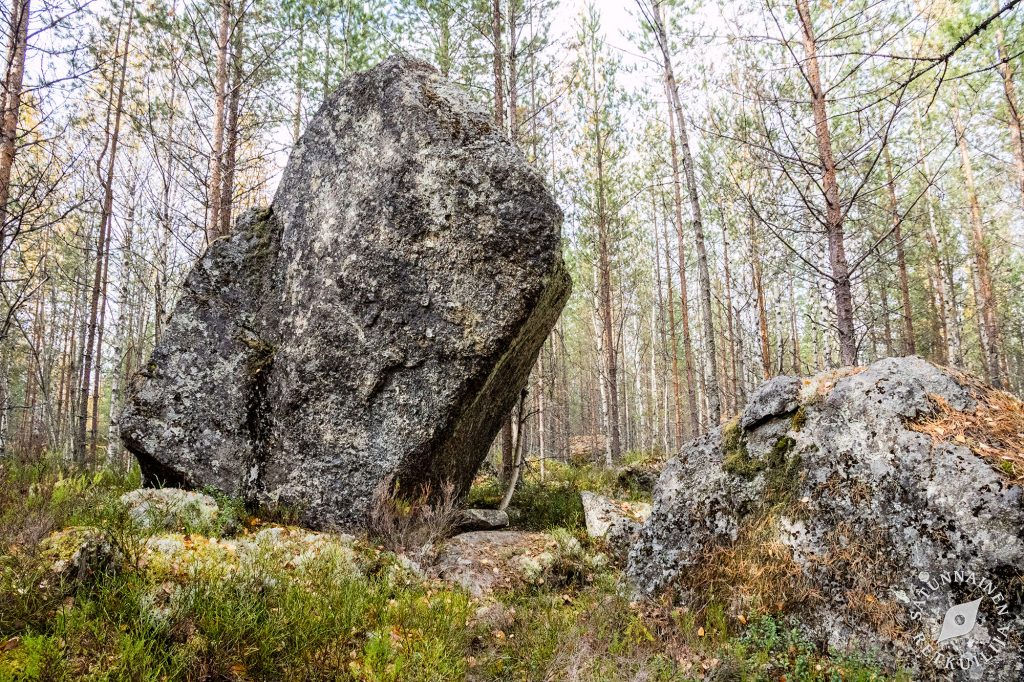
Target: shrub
x=412, y=525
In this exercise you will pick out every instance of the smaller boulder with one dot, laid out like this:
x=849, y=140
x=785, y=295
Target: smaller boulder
x=170, y=508
x=470, y=520
x=777, y=396
x=642, y=477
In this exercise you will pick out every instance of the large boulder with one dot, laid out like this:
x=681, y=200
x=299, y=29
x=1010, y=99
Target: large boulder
x=374, y=324
x=873, y=506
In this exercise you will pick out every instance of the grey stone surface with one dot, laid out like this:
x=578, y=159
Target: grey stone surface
x=603, y=514
x=886, y=527
x=774, y=397
x=379, y=319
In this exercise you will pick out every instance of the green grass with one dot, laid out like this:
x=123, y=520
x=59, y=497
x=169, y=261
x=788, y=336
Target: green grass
x=213, y=616
x=554, y=502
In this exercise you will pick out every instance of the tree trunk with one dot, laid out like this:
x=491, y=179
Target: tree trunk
x=105, y=224
x=909, y=346
x=166, y=233
x=13, y=82
x=498, y=68
x=734, y=380
x=703, y=273
x=513, y=73
x=762, y=308
x=949, y=329
x=673, y=349
x=508, y=459
x=20, y=13
x=985, y=291
x=227, y=191
x=833, y=210
x=97, y=372
x=681, y=433
x=677, y=196
x=794, y=329
x=1012, y=106
x=220, y=87
x=299, y=85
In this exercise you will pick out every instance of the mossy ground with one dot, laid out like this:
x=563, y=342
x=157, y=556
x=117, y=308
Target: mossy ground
x=319, y=621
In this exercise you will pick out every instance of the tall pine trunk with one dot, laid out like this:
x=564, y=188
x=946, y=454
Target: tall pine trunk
x=1013, y=118
x=677, y=195
x=105, y=224
x=841, y=280
x=220, y=87
x=909, y=345
x=227, y=191
x=984, y=289
x=703, y=273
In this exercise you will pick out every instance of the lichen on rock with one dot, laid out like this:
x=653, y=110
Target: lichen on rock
x=828, y=504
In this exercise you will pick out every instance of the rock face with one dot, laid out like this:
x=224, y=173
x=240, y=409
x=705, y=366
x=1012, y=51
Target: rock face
x=833, y=507
x=376, y=322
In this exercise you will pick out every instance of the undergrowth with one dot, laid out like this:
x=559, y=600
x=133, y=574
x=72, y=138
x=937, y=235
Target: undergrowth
x=554, y=500
x=360, y=617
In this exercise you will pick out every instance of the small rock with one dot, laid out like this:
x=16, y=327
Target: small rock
x=480, y=519
x=76, y=554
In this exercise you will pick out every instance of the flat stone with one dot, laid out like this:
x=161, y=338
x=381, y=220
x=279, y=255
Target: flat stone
x=480, y=519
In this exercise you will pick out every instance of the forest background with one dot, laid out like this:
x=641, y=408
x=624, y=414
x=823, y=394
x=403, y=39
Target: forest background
x=750, y=188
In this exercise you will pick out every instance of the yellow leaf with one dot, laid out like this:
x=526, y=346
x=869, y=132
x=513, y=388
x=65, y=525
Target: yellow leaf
x=700, y=632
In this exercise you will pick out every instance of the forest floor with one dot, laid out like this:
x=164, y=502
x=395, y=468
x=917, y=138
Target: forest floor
x=355, y=612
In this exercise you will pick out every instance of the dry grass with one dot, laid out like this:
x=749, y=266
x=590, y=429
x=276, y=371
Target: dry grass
x=756, y=573
x=994, y=431
x=860, y=560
